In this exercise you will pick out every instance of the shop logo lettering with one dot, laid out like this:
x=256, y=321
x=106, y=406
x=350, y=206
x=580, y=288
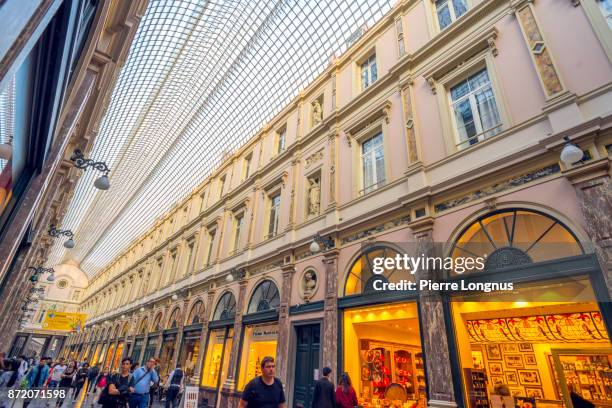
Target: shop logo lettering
x=414, y=264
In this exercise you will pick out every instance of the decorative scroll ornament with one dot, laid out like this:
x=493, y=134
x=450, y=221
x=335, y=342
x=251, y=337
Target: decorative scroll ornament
x=551, y=328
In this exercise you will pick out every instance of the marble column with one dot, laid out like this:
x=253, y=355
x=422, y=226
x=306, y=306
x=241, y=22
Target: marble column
x=230, y=383
x=282, y=346
x=435, y=342
x=204, y=335
x=594, y=191
x=330, y=307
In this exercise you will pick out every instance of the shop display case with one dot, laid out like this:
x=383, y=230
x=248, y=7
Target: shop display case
x=392, y=375
x=588, y=372
x=476, y=381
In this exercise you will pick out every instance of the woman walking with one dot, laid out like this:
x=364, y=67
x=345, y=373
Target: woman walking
x=346, y=397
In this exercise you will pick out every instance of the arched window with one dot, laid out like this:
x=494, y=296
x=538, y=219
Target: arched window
x=516, y=237
x=265, y=297
x=124, y=331
x=197, y=310
x=173, y=321
x=226, y=307
x=143, y=327
x=157, y=323
x=361, y=278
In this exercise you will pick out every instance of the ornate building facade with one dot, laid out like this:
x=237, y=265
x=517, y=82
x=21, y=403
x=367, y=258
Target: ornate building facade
x=443, y=124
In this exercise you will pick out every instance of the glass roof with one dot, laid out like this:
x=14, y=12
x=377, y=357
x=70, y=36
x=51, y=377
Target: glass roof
x=201, y=78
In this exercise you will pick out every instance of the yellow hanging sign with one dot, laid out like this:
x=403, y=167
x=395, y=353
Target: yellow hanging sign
x=64, y=321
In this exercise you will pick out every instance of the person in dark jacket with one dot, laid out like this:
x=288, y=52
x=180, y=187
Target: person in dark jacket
x=92, y=375
x=324, y=395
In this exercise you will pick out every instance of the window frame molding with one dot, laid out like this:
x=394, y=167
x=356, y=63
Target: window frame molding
x=602, y=31
x=476, y=54
x=359, y=59
x=269, y=193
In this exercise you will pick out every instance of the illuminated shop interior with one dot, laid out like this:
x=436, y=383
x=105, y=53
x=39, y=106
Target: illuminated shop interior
x=383, y=355
x=537, y=341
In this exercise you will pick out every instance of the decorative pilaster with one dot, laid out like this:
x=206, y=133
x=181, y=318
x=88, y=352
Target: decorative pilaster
x=594, y=191
x=538, y=49
x=413, y=153
x=330, y=307
x=331, y=145
x=435, y=342
x=282, y=346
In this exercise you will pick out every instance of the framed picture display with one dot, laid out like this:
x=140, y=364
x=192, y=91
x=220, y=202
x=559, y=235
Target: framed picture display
x=534, y=392
x=510, y=348
x=530, y=359
x=511, y=377
x=525, y=347
x=529, y=377
x=477, y=359
x=494, y=352
x=497, y=379
x=496, y=369
x=514, y=360
x=516, y=391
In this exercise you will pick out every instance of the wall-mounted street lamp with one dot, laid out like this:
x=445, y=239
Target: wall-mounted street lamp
x=235, y=274
x=80, y=162
x=142, y=310
x=56, y=233
x=39, y=271
x=174, y=297
x=319, y=242
x=571, y=153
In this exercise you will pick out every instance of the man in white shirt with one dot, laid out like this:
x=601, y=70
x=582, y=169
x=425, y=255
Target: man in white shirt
x=56, y=374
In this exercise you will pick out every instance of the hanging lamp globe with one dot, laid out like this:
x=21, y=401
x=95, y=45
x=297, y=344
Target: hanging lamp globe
x=571, y=154
x=102, y=183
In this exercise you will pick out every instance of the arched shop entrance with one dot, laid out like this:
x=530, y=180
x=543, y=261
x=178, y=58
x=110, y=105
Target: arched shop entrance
x=260, y=333
x=153, y=338
x=190, y=347
x=139, y=341
x=168, y=345
x=218, y=348
x=549, y=334
x=381, y=335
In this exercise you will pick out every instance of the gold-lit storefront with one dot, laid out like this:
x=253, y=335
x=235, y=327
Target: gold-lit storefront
x=383, y=355
x=382, y=350
x=538, y=348
x=216, y=362
x=540, y=341
x=259, y=341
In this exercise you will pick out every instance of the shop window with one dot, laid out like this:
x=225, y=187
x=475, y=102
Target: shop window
x=167, y=353
x=189, y=352
x=362, y=279
x=196, y=311
x=259, y=342
x=220, y=343
x=369, y=71
x=157, y=323
x=475, y=109
x=173, y=321
x=383, y=355
x=226, y=307
x=450, y=10
x=265, y=297
x=516, y=237
x=143, y=327
x=537, y=342
x=373, y=163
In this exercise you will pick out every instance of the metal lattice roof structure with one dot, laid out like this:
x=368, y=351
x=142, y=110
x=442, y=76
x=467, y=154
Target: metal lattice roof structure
x=201, y=78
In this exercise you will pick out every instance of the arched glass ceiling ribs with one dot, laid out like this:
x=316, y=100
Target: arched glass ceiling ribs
x=201, y=79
